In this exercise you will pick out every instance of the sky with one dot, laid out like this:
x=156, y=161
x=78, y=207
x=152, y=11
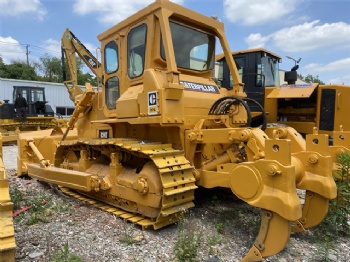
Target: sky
x=317, y=31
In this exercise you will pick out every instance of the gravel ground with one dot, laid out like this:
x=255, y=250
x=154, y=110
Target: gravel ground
x=225, y=227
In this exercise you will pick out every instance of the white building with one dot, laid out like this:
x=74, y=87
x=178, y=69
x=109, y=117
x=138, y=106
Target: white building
x=56, y=94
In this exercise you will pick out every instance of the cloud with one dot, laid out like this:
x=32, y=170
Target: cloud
x=11, y=50
x=52, y=47
x=21, y=7
x=325, y=71
x=335, y=66
x=305, y=37
x=111, y=12
x=256, y=40
x=310, y=36
x=257, y=11
x=343, y=80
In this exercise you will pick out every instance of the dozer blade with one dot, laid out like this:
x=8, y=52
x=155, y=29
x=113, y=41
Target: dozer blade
x=273, y=236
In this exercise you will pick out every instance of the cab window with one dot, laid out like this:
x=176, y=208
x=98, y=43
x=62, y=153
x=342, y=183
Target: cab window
x=37, y=96
x=111, y=57
x=112, y=92
x=193, y=49
x=136, y=50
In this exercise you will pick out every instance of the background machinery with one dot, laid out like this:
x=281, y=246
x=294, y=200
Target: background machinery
x=303, y=106
x=39, y=115
x=159, y=127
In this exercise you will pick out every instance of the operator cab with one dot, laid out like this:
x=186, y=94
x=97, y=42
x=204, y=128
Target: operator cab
x=138, y=52
x=35, y=96
x=258, y=68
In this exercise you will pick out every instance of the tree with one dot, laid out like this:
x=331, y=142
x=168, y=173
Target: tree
x=82, y=78
x=51, y=69
x=2, y=68
x=310, y=79
x=18, y=70
x=87, y=77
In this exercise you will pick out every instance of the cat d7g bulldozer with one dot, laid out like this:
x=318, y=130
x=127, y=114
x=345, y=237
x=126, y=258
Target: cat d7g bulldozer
x=159, y=127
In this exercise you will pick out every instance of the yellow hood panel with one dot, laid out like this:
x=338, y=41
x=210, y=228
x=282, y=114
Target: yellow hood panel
x=293, y=91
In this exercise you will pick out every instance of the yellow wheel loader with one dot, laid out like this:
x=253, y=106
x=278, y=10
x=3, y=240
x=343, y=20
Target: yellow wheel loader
x=159, y=127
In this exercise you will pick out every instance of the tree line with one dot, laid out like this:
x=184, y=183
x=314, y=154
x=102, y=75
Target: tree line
x=48, y=69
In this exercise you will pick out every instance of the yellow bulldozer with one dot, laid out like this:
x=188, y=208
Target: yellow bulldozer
x=159, y=127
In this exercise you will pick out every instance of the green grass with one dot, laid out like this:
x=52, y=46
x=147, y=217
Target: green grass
x=41, y=206
x=128, y=234
x=189, y=238
x=17, y=198
x=64, y=256
x=220, y=228
x=335, y=225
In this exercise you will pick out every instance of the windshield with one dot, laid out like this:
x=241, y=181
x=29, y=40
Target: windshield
x=37, y=95
x=254, y=68
x=193, y=49
x=269, y=68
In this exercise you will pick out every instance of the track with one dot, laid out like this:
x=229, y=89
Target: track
x=178, y=183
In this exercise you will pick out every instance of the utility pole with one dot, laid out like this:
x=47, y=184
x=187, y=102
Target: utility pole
x=27, y=53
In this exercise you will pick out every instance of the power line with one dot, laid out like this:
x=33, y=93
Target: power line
x=45, y=49
x=11, y=51
x=32, y=46
x=7, y=43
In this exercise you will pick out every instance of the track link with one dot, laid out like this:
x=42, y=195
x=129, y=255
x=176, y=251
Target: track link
x=176, y=175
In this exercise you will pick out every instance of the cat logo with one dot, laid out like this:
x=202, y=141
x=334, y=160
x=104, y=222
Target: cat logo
x=104, y=134
x=152, y=103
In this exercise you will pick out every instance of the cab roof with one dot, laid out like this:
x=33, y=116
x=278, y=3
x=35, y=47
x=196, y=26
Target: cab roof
x=221, y=56
x=179, y=11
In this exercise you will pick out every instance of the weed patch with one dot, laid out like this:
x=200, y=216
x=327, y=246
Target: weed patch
x=41, y=206
x=16, y=198
x=336, y=222
x=128, y=234
x=189, y=238
x=64, y=256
